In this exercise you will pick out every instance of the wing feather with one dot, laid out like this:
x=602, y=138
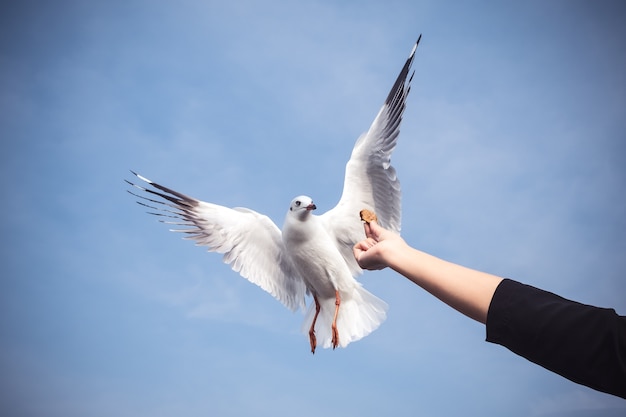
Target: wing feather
x=250, y=242
x=370, y=180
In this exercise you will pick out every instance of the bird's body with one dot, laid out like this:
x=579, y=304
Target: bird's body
x=311, y=246
x=312, y=254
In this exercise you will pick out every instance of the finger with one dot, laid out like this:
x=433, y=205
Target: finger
x=368, y=229
x=364, y=245
x=372, y=230
x=359, y=249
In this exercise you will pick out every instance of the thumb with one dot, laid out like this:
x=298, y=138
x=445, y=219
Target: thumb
x=373, y=230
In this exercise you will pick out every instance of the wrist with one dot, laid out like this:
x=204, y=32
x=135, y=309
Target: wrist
x=397, y=257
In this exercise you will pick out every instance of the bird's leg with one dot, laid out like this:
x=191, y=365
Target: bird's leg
x=312, y=338
x=335, y=339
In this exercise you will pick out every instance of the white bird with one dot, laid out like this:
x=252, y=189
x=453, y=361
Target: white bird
x=313, y=254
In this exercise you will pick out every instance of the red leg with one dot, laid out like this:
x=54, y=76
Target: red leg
x=335, y=332
x=312, y=338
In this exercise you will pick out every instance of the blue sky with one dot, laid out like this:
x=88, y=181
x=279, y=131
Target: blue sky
x=512, y=160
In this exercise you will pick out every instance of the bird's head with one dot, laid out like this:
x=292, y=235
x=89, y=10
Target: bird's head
x=301, y=207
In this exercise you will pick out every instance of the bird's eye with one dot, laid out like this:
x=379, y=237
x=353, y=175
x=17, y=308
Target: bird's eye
x=298, y=203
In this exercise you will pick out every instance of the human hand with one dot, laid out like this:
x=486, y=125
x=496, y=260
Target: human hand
x=373, y=252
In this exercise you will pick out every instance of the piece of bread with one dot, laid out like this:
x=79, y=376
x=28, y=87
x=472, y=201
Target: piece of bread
x=368, y=216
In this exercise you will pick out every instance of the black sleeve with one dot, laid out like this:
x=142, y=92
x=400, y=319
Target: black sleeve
x=583, y=343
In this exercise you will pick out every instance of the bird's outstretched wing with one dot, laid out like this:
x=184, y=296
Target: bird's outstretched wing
x=370, y=180
x=251, y=242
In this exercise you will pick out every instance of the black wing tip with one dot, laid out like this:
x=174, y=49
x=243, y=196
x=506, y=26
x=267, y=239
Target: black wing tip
x=401, y=81
x=141, y=177
x=179, y=199
x=417, y=42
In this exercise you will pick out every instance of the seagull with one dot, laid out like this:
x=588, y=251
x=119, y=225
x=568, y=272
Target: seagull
x=312, y=255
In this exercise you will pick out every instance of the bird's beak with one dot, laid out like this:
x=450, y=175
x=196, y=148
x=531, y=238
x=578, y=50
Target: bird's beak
x=311, y=207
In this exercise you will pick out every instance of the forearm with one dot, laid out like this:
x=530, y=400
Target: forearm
x=464, y=289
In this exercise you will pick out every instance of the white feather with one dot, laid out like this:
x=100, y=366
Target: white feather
x=312, y=254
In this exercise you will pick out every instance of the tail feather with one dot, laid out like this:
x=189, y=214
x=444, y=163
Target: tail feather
x=360, y=313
